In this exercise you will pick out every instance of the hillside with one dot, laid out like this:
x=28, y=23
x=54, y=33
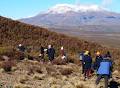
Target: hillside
x=14, y=32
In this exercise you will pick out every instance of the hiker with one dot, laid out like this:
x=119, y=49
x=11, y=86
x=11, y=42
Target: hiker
x=63, y=53
x=87, y=61
x=21, y=48
x=108, y=54
x=113, y=84
x=98, y=59
x=104, y=70
x=81, y=57
x=41, y=53
x=50, y=52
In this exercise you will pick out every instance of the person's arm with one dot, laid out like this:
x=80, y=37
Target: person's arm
x=54, y=51
x=91, y=59
x=111, y=66
x=47, y=51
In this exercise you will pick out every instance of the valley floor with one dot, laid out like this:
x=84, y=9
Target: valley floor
x=107, y=39
x=33, y=74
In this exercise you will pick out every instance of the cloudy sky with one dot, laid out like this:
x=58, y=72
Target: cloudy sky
x=17, y=9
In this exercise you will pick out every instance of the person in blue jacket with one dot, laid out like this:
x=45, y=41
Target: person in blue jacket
x=51, y=52
x=87, y=60
x=104, y=70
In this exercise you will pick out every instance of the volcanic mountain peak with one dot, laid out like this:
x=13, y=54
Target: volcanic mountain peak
x=63, y=8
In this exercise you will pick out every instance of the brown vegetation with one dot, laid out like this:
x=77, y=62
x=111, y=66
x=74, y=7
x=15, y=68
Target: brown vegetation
x=14, y=32
x=66, y=71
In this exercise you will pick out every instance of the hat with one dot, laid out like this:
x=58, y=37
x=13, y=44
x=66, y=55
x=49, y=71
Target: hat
x=86, y=53
x=20, y=44
x=62, y=48
x=97, y=53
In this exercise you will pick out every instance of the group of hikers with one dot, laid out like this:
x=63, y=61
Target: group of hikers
x=50, y=51
x=102, y=65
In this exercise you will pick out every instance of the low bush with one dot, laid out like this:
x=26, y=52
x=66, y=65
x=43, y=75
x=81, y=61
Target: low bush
x=23, y=79
x=34, y=68
x=59, y=61
x=7, y=65
x=66, y=71
x=73, y=59
x=51, y=69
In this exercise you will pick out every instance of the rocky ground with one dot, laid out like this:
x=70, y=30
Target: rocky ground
x=34, y=74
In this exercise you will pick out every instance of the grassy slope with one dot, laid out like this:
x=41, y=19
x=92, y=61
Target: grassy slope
x=14, y=32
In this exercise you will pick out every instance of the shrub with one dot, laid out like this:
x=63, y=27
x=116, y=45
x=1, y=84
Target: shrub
x=23, y=79
x=51, y=69
x=59, y=61
x=21, y=86
x=66, y=71
x=34, y=68
x=39, y=76
x=7, y=65
x=73, y=59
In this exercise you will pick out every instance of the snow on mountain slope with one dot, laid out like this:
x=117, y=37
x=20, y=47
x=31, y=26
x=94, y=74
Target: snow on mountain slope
x=74, y=16
x=63, y=8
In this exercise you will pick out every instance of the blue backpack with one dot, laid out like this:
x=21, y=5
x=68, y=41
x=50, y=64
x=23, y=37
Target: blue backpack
x=105, y=67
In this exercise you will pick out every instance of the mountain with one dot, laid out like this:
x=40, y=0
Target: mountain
x=89, y=22
x=75, y=17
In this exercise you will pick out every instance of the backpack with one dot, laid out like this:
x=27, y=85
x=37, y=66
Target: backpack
x=81, y=56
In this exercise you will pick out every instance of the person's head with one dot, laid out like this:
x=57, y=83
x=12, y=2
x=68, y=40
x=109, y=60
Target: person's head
x=41, y=46
x=82, y=52
x=108, y=54
x=62, y=48
x=20, y=45
x=49, y=46
x=86, y=53
x=97, y=53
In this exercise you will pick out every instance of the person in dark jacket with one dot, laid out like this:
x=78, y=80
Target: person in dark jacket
x=98, y=59
x=104, y=70
x=87, y=60
x=51, y=52
x=41, y=53
x=108, y=54
x=21, y=48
